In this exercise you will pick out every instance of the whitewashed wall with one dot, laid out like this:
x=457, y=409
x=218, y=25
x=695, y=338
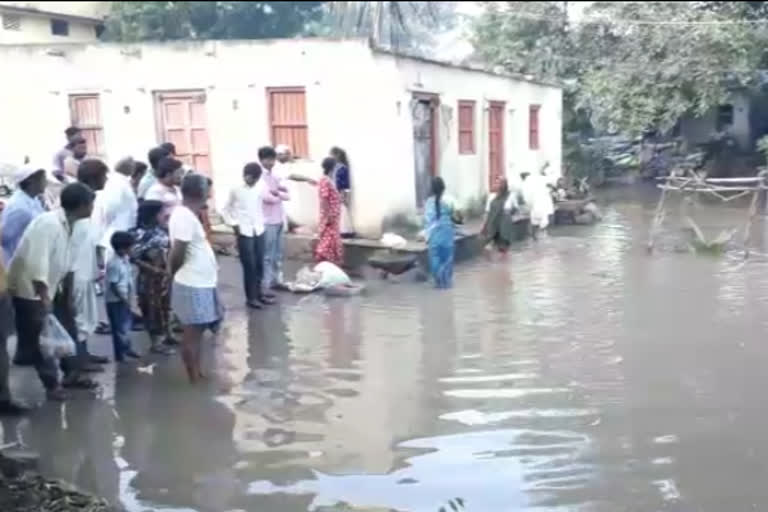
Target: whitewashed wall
x=466, y=175
x=37, y=29
x=355, y=99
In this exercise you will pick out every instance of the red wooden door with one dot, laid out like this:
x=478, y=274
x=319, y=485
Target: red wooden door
x=495, y=143
x=288, y=119
x=85, y=113
x=183, y=121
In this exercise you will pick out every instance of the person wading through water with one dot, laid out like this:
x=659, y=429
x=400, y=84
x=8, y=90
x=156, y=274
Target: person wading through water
x=499, y=228
x=194, y=297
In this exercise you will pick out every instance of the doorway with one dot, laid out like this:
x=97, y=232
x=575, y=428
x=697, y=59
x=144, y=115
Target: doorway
x=424, y=112
x=495, y=143
x=182, y=120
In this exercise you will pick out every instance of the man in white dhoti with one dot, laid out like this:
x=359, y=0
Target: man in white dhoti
x=538, y=198
x=88, y=262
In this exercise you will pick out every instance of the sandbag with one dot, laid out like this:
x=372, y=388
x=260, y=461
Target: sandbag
x=331, y=275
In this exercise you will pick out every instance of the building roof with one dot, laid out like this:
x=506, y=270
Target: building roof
x=374, y=48
x=85, y=12
x=465, y=66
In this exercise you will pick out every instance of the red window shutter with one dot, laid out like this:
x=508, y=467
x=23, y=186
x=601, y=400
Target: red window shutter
x=85, y=113
x=288, y=119
x=533, y=126
x=466, y=127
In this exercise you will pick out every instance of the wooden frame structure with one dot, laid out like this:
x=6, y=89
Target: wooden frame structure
x=725, y=189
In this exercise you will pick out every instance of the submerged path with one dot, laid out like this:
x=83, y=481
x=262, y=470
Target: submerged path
x=579, y=374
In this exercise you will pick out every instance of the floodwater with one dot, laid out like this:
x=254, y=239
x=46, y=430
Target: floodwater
x=579, y=374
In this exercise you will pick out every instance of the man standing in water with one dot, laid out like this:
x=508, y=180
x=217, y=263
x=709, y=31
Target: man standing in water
x=40, y=282
x=88, y=264
x=274, y=218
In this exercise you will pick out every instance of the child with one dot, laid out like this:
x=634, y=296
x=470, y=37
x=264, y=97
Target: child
x=119, y=294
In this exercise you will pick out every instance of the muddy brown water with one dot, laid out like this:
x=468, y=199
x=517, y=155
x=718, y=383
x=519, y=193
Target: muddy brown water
x=579, y=374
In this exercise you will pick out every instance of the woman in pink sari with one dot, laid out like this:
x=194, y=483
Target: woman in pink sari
x=329, y=246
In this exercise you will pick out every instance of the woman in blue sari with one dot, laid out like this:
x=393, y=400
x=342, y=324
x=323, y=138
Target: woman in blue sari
x=438, y=222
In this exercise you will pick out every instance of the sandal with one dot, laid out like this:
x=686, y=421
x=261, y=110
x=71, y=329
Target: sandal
x=79, y=382
x=56, y=395
x=161, y=350
x=103, y=329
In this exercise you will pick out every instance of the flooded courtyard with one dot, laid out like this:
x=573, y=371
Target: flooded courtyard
x=579, y=374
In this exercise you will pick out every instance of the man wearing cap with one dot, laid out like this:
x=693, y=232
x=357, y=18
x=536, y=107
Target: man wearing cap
x=284, y=157
x=25, y=204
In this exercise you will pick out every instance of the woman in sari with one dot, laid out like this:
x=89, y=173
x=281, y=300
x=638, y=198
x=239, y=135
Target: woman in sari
x=438, y=222
x=329, y=246
x=150, y=255
x=499, y=228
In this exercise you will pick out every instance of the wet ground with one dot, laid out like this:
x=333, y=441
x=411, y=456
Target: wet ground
x=579, y=374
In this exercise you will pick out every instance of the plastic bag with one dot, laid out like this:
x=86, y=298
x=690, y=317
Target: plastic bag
x=331, y=275
x=393, y=241
x=55, y=341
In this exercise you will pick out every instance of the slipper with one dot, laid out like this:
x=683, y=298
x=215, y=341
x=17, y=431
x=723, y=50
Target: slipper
x=103, y=329
x=161, y=350
x=79, y=383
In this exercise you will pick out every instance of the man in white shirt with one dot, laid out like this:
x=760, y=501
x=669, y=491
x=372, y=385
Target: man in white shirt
x=89, y=262
x=154, y=156
x=119, y=202
x=244, y=212
x=40, y=275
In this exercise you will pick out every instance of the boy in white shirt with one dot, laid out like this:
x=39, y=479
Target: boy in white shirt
x=244, y=212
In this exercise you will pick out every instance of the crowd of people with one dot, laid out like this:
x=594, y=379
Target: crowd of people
x=140, y=235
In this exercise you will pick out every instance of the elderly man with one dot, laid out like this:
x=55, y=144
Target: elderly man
x=40, y=276
x=24, y=206
x=284, y=157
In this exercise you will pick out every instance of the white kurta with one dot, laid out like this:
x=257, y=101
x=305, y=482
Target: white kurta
x=539, y=200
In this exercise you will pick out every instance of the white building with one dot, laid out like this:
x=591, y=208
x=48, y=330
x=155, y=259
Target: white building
x=400, y=119
x=51, y=22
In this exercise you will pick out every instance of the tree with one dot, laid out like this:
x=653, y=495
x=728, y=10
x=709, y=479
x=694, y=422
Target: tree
x=158, y=21
x=396, y=25
x=631, y=66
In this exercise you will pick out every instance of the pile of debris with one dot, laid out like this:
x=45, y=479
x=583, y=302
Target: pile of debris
x=24, y=490
x=33, y=493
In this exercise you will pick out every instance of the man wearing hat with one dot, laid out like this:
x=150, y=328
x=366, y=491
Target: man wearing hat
x=25, y=204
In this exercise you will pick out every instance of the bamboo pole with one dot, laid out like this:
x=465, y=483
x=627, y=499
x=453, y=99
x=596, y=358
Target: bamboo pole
x=750, y=219
x=657, y=219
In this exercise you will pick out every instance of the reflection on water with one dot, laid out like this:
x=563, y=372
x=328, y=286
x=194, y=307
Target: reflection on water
x=578, y=374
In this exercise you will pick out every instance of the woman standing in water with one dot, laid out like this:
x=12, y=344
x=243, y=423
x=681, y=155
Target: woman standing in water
x=150, y=254
x=499, y=228
x=344, y=186
x=438, y=222
x=194, y=298
x=329, y=246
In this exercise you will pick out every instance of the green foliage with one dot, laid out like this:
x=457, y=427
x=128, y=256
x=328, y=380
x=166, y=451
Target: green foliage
x=627, y=76
x=762, y=147
x=399, y=25
x=160, y=21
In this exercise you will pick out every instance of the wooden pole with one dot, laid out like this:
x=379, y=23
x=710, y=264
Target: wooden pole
x=750, y=219
x=658, y=217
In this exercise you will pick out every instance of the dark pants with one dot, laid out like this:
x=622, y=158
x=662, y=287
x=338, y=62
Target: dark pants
x=29, y=324
x=120, y=319
x=251, y=249
x=6, y=329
